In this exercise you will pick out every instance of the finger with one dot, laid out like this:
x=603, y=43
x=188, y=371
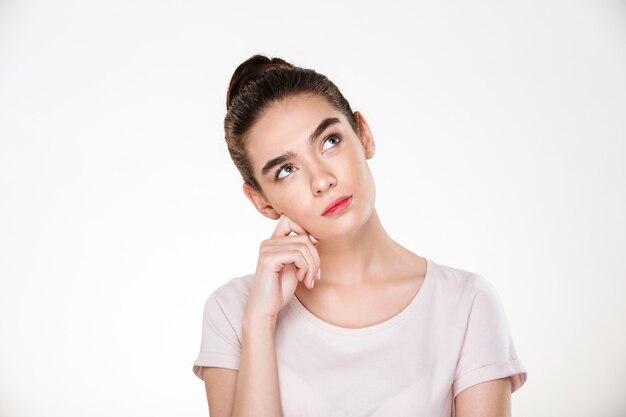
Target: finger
x=313, y=256
x=286, y=225
x=303, y=244
x=310, y=251
x=279, y=259
x=283, y=229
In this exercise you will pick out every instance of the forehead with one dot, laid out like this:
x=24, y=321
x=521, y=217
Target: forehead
x=286, y=125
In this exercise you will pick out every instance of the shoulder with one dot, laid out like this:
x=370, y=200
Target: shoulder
x=230, y=298
x=235, y=289
x=458, y=288
x=459, y=282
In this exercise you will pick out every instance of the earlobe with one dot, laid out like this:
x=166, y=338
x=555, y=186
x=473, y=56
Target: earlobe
x=260, y=203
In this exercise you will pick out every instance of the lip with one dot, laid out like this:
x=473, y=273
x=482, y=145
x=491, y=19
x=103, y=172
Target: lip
x=337, y=205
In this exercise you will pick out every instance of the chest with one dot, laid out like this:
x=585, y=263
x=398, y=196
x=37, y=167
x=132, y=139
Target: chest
x=359, y=307
x=406, y=370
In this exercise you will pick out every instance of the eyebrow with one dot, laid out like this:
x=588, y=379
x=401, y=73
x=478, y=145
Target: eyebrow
x=290, y=154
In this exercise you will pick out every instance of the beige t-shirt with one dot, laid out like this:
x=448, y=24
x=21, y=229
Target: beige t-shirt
x=452, y=335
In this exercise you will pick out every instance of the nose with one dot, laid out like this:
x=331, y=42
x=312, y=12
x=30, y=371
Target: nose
x=322, y=180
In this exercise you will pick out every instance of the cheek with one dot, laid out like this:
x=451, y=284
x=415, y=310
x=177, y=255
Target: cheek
x=289, y=202
x=356, y=169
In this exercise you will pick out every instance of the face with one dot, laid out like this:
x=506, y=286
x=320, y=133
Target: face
x=325, y=160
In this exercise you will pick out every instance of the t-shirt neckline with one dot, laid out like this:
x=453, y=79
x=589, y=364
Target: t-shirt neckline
x=413, y=304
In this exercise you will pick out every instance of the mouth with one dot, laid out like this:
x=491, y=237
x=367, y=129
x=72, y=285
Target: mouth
x=337, y=205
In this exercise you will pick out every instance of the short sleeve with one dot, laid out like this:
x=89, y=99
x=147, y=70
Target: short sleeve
x=487, y=352
x=220, y=345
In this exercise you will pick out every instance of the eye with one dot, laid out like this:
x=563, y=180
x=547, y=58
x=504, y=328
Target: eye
x=279, y=170
x=335, y=137
x=277, y=176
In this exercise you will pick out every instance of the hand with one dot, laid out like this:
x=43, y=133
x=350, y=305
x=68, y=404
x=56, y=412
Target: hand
x=283, y=261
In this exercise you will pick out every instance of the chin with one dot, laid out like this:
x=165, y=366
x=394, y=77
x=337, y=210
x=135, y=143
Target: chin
x=340, y=227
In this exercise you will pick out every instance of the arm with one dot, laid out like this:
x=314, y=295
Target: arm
x=258, y=392
x=487, y=399
x=220, y=385
x=254, y=390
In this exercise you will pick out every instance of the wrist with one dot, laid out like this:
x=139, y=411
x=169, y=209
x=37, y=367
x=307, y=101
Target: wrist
x=252, y=322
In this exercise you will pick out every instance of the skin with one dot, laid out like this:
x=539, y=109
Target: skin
x=354, y=248
x=359, y=262
x=488, y=399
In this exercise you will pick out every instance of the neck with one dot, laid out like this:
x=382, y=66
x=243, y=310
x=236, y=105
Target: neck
x=360, y=256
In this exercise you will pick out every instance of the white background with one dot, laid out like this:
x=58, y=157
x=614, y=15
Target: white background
x=501, y=147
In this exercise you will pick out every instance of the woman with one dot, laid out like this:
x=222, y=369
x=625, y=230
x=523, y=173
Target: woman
x=339, y=319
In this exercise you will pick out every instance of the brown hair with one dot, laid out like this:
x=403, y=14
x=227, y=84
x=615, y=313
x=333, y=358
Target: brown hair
x=259, y=82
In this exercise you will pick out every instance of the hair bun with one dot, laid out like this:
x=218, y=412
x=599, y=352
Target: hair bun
x=248, y=71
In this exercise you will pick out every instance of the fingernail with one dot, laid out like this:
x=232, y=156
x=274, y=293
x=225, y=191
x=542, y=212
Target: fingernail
x=313, y=239
x=312, y=283
x=319, y=274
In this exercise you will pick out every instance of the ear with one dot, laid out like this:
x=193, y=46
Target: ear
x=260, y=203
x=365, y=135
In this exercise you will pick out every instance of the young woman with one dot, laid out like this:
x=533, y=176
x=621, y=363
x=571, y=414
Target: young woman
x=339, y=320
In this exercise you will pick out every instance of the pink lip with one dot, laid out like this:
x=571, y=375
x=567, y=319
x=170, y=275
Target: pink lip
x=338, y=205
